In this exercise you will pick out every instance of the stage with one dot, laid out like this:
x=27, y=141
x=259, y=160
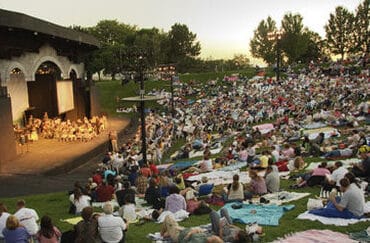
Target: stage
x=52, y=157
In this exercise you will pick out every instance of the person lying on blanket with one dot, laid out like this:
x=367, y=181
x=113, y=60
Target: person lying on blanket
x=222, y=231
x=351, y=205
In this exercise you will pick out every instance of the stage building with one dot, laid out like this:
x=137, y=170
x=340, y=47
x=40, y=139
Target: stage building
x=41, y=70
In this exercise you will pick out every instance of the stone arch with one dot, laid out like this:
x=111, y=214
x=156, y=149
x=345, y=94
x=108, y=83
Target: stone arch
x=48, y=59
x=74, y=68
x=13, y=65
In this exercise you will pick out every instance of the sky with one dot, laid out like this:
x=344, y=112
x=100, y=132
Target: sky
x=223, y=27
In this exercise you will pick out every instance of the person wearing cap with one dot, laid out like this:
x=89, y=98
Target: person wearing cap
x=362, y=169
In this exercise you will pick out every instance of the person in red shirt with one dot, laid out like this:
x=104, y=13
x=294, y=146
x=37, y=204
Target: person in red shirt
x=97, y=177
x=145, y=171
x=153, y=168
x=104, y=192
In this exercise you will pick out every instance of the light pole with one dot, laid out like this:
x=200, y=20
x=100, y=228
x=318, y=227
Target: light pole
x=276, y=36
x=141, y=99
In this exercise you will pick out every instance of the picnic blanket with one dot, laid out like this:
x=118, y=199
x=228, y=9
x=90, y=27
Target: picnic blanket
x=100, y=204
x=262, y=214
x=362, y=236
x=235, y=166
x=72, y=221
x=181, y=165
x=264, y=128
x=346, y=163
x=221, y=177
x=328, y=132
x=314, y=125
x=334, y=221
x=196, y=153
x=163, y=166
x=279, y=198
x=315, y=236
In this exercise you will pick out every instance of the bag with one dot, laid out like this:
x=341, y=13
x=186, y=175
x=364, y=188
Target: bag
x=72, y=209
x=314, y=204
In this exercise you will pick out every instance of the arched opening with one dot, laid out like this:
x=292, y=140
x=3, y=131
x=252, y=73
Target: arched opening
x=17, y=90
x=43, y=91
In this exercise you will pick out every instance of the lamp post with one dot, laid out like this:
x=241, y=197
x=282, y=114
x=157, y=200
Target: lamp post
x=141, y=99
x=276, y=36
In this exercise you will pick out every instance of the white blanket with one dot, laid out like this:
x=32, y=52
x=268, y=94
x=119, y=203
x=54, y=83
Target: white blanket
x=194, y=153
x=221, y=177
x=279, y=198
x=346, y=163
x=334, y=221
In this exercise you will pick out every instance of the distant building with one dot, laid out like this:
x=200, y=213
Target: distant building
x=41, y=70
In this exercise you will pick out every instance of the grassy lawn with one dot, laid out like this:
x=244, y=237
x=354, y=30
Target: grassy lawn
x=56, y=204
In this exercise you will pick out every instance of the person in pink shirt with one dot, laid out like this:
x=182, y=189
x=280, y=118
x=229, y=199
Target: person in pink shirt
x=287, y=152
x=314, y=177
x=48, y=233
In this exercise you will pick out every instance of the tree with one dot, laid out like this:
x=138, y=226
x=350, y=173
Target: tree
x=241, y=61
x=295, y=39
x=182, y=43
x=361, y=30
x=315, y=46
x=150, y=40
x=260, y=46
x=339, y=31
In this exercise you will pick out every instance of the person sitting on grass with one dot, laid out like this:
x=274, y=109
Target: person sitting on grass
x=257, y=186
x=87, y=229
x=112, y=229
x=3, y=217
x=175, y=201
x=235, y=191
x=351, y=205
x=15, y=232
x=48, y=233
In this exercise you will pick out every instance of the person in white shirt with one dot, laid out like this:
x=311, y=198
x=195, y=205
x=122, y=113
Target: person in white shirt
x=79, y=200
x=111, y=228
x=27, y=217
x=206, y=165
x=3, y=217
x=338, y=174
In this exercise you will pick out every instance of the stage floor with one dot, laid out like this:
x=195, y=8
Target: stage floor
x=51, y=156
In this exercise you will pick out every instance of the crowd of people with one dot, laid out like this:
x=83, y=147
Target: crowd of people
x=222, y=117
x=62, y=130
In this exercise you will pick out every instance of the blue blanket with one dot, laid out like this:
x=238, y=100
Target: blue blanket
x=262, y=214
x=182, y=165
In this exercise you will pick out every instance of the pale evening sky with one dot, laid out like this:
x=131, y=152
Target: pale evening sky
x=223, y=27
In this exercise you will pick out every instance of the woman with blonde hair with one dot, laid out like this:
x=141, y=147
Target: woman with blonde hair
x=235, y=190
x=171, y=229
x=14, y=232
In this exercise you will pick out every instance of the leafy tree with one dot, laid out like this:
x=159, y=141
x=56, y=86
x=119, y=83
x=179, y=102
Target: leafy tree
x=295, y=39
x=240, y=61
x=150, y=40
x=260, y=46
x=339, y=31
x=315, y=46
x=182, y=43
x=361, y=30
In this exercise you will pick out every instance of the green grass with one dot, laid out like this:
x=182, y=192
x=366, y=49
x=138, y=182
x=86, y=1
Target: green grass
x=56, y=204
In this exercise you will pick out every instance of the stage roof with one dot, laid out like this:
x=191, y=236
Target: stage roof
x=15, y=20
